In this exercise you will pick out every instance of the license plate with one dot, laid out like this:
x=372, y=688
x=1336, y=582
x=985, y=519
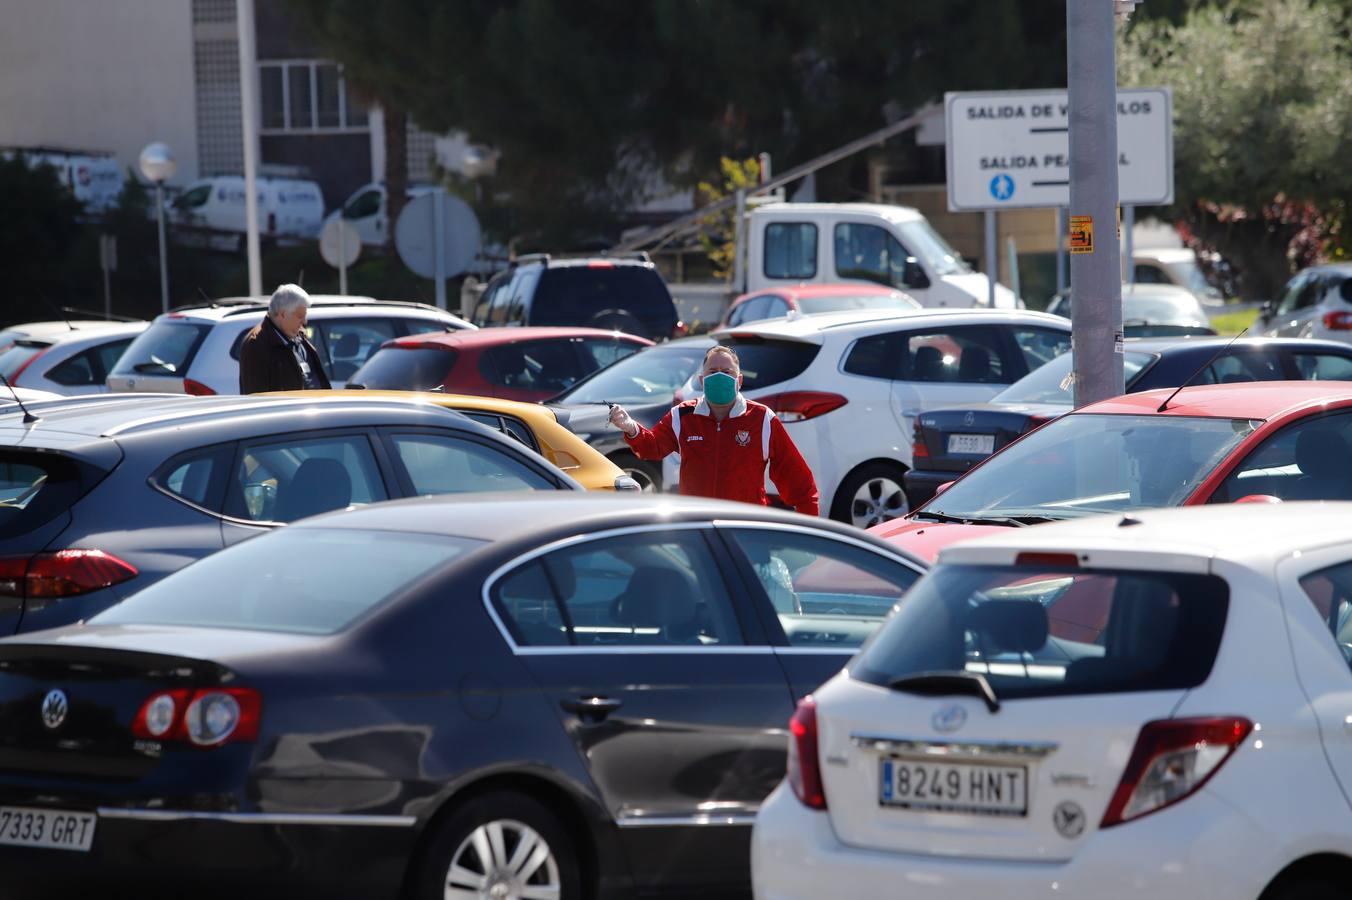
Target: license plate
x=954, y=787
x=56, y=829
x=971, y=443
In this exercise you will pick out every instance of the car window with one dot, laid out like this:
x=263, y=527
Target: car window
x=1323, y=366
x=1040, y=345
x=869, y=253
x=597, y=353
x=364, y=204
x=549, y=366
x=167, y=347
x=1049, y=383
x=791, y=250
x=400, y=368
x=348, y=343
x=1301, y=292
x=292, y=478
x=626, y=297
x=1330, y=590
x=298, y=580
x=1146, y=273
x=78, y=370
x=441, y=464
x=648, y=589
x=1040, y=632
x=34, y=488
x=501, y=298
x=752, y=310
x=506, y=424
x=426, y=326
x=189, y=476
x=1307, y=460
x=826, y=593
x=650, y=376
x=193, y=198
x=766, y=363
x=523, y=287
x=1234, y=368
x=968, y=355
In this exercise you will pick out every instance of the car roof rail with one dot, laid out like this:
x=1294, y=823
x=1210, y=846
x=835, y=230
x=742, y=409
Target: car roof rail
x=355, y=301
x=640, y=255
x=216, y=304
x=529, y=258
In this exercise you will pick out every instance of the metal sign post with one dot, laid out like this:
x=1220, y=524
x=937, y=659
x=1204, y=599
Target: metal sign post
x=107, y=262
x=992, y=258
x=439, y=245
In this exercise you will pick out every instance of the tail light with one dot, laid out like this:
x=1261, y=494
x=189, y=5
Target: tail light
x=918, y=448
x=1034, y=422
x=680, y=329
x=1171, y=760
x=1338, y=321
x=196, y=388
x=204, y=718
x=64, y=573
x=797, y=406
x=804, y=767
x=599, y=264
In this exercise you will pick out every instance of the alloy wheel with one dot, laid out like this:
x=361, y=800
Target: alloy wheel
x=503, y=860
x=644, y=480
x=878, y=500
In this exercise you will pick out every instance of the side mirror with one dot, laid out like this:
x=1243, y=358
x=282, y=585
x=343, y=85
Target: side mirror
x=1259, y=498
x=912, y=275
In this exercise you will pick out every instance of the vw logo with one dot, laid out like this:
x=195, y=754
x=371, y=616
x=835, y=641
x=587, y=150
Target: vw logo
x=949, y=718
x=1068, y=819
x=54, y=708
x=969, y=419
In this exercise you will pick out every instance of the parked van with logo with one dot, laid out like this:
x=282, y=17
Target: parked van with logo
x=95, y=179
x=365, y=211
x=287, y=208
x=811, y=243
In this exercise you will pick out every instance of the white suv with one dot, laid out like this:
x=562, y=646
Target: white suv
x=196, y=350
x=848, y=387
x=1155, y=705
x=1315, y=303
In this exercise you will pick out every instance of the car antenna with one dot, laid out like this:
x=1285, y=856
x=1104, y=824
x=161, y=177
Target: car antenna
x=59, y=313
x=206, y=296
x=1201, y=368
x=28, y=417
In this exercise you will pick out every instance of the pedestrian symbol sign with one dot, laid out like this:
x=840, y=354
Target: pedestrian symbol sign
x=1002, y=187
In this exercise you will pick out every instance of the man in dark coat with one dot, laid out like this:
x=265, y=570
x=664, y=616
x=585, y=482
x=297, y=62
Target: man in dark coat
x=276, y=355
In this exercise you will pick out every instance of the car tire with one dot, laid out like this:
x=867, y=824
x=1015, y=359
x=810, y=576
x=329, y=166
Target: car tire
x=647, y=474
x=499, y=825
x=871, y=494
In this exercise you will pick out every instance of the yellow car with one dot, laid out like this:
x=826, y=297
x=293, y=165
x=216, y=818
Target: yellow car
x=530, y=423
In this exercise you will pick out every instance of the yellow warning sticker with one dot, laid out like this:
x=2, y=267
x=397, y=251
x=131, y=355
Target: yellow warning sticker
x=1081, y=234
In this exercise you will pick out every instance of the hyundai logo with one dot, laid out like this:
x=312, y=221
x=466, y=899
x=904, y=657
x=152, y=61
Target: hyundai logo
x=54, y=708
x=949, y=718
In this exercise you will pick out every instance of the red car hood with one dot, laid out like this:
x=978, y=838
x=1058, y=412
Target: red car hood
x=926, y=539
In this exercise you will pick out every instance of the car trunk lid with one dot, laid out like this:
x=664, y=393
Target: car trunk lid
x=957, y=438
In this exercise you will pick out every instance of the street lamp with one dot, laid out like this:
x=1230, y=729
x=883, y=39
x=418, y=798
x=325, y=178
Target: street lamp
x=157, y=165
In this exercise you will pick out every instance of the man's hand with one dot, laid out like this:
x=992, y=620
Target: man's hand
x=622, y=420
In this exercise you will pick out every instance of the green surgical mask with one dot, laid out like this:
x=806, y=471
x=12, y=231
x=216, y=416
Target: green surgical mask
x=720, y=388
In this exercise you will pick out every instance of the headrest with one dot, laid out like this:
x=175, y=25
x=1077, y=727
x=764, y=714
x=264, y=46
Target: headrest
x=1323, y=453
x=1009, y=626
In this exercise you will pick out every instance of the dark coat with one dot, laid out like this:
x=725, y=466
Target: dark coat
x=267, y=363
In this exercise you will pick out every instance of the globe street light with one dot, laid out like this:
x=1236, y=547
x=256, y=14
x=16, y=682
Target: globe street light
x=157, y=165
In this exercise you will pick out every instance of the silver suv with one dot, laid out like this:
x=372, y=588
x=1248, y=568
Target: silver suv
x=195, y=350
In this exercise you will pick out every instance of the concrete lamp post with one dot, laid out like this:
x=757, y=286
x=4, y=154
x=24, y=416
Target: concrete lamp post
x=158, y=166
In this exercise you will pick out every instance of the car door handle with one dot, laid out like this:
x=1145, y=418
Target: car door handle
x=592, y=708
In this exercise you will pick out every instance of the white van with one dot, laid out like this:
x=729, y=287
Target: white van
x=812, y=243
x=287, y=207
x=95, y=179
x=366, y=212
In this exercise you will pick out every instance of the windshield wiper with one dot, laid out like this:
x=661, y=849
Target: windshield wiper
x=939, y=516
x=937, y=684
x=1011, y=521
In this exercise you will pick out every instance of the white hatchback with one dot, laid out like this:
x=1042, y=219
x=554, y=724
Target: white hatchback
x=848, y=387
x=1146, y=706
x=65, y=357
x=1315, y=303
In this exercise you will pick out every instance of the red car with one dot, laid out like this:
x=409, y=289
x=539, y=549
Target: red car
x=809, y=299
x=1255, y=442
x=528, y=364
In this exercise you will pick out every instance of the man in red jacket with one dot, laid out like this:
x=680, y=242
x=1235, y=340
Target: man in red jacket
x=725, y=441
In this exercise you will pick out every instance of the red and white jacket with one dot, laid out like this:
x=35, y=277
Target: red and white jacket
x=727, y=459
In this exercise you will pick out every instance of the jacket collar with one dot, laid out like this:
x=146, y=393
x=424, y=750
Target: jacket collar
x=277, y=332
x=738, y=407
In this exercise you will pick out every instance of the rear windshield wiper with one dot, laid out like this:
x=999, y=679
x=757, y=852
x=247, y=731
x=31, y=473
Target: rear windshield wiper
x=937, y=684
x=153, y=367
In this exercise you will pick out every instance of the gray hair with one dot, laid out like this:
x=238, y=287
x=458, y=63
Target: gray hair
x=287, y=298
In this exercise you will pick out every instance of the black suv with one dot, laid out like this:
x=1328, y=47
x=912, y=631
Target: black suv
x=623, y=293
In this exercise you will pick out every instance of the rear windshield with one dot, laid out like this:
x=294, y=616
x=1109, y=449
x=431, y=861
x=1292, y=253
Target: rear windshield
x=765, y=363
x=580, y=295
x=18, y=355
x=1040, y=632
x=1048, y=383
x=405, y=369
x=167, y=347
x=33, y=489
x=649, y=376
x=299, y=580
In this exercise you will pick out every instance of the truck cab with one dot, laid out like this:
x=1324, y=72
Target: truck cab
x=805, y=243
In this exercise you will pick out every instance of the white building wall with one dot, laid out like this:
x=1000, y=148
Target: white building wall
x=110, y=75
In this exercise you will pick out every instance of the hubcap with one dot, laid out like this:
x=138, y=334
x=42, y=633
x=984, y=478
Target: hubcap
x=503, y=860
x=878, y=500
x=644, y=482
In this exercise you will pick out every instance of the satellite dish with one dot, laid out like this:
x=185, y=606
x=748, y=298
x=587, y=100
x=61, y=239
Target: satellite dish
x=339, y=243
x=415, y=231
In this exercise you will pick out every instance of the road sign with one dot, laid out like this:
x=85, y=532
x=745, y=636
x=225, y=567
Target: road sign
x=339, y=243
x=414, y=235
x=1011, y=149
